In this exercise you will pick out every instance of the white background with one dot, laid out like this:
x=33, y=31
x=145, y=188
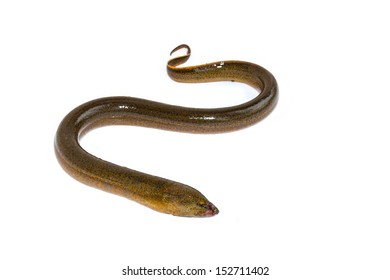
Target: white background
x=304, y=192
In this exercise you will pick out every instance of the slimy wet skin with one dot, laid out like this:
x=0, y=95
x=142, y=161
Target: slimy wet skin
x=157, y=193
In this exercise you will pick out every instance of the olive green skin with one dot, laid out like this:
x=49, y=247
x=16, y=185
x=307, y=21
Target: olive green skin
x=154, y=192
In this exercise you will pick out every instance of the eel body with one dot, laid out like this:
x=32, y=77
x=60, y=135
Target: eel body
x=161, y=194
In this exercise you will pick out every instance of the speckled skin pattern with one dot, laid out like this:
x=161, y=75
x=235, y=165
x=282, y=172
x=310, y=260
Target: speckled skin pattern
x=158, y=193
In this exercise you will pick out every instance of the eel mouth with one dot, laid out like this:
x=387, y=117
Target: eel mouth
x=211, y=210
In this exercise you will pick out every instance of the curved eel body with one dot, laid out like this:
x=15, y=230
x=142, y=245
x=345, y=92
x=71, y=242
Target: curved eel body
x=158, y=193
